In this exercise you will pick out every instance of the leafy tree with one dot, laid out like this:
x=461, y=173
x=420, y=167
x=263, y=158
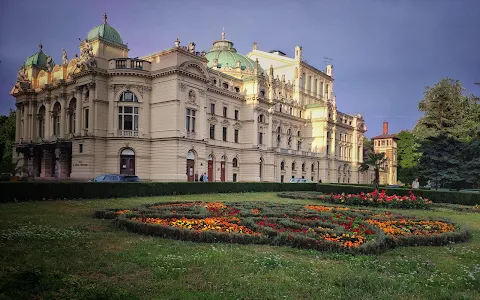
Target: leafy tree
x=7, y=138
x=445, y=132
x=408, y=156
x=447, y=111
x=367, y=147
x=377, y=161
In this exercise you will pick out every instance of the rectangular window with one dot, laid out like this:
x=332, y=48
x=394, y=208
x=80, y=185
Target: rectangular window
x=80, y=148
x=190, y=120
x=282, y=178
x=236, y=136
x=234, y=177
x=224, y=111
x=212, y=108
x=86, y=118
x=300, y=114
x=212, y=131
x=128, y=118
x=236, y=114
x=328, y=150
x=224, y=134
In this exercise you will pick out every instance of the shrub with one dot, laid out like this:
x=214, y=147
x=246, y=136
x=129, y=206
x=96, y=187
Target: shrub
x=26, y=191
x=435, y=196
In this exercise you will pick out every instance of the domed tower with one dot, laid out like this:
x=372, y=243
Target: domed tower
x=223, y=57
x=37, y=62
x=105, y=42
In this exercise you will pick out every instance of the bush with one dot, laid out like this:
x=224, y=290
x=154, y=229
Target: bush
x=26, y=191
x=435, y=196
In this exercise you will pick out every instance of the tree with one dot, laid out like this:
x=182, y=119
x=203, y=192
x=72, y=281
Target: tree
x=443, y=133
x=408, y=156
x=7, y=138
x=367, y=147
x=377, y=161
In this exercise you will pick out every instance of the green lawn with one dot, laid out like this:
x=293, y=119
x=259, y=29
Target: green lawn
x=56, y=250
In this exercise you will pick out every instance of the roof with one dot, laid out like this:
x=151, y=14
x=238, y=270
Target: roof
x=106, y=32
x=385, y=136
x=38, y=60
x=223, y=51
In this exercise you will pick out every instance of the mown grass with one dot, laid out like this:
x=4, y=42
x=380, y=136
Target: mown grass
x=57, y=250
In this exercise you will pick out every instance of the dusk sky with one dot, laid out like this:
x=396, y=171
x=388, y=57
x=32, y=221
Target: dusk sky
x=384, y=52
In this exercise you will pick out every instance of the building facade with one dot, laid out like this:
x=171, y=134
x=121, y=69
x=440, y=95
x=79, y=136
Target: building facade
x=387, y=143
x=178, y=113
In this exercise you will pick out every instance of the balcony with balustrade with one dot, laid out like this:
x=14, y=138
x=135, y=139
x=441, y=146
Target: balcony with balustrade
x=130, y=64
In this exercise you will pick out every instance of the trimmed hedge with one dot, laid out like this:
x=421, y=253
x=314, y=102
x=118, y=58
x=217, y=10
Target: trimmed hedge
x=27, y=191
x=435, y=196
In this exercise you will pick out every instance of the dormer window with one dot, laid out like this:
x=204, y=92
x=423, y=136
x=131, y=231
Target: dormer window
x=262, y=93
x=225, y=85
x=237, y=89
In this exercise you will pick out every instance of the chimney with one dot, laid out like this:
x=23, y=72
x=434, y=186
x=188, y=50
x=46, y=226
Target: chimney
x=385, y=127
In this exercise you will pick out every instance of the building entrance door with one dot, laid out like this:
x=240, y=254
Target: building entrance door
x=222, y=171
x=190, y=169
x=127, y=162
x=210, y=170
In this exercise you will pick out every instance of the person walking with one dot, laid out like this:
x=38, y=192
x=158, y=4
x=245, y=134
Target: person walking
x=205, y=177
x=201, y=178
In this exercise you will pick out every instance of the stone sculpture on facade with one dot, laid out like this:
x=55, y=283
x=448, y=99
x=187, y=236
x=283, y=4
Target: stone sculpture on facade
x=49, y=63
x=64, y=57
x=87, y=59
x=191, y=47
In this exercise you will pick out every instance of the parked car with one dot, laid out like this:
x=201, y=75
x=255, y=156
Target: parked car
x=300, y=180
x=116, y=178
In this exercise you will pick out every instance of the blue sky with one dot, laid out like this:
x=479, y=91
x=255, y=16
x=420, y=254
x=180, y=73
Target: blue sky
x=384, y=51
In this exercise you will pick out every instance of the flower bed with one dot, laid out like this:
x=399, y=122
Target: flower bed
x=375, y=198
x=304, y=226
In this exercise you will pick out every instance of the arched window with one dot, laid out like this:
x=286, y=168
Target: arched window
x=128, y=96
x=56, y=119
x=262, y=94
x=225, y=85
x=41, y=122
x=261, y=118
x=279, y=130
x=72, y=115
x=235, y=162
x=282, y=166
x=303, y=167
x=313, y=167
x=293, y=166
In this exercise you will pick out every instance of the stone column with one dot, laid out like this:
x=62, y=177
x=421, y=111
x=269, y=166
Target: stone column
x=63, y=115
x=269, y=133
x=48, y=120
x=91, y=108
x=332, y=143
x=78, y=111
x=111, y=110
x=201, y=116
x=26, y=121
x=18, y=122
x=255, y=127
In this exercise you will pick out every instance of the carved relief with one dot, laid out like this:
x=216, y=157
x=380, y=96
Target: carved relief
x=202, y=93
x=213, y=120
x=183, y=87
x=192, y=96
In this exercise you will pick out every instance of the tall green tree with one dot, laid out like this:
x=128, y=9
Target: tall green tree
x=375, y=161
x=408, y=156
x=447, y=127
x=7, y=139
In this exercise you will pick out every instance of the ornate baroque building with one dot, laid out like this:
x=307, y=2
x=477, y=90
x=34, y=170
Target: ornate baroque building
x=173, y=114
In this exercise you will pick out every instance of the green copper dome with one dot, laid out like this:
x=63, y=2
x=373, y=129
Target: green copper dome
x=106, y=32
x=38, y=60
x=225, y=55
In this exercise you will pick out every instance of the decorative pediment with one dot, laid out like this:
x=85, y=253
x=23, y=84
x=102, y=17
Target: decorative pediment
x=237, y=125
x=225, y=123
x=213, y=120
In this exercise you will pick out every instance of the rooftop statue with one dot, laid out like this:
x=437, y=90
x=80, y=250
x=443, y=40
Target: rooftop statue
x=64, y=57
